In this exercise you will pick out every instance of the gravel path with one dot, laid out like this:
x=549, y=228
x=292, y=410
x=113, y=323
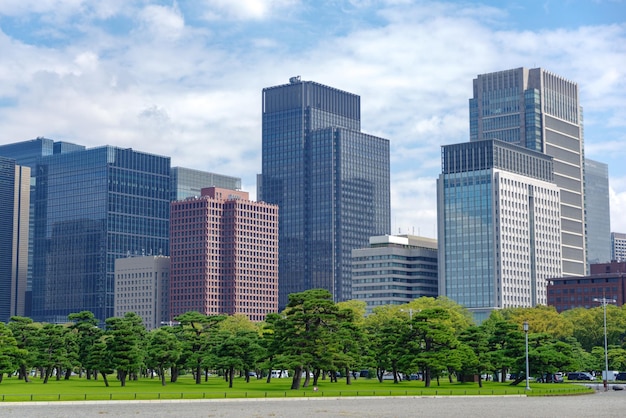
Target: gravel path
x=600, y=404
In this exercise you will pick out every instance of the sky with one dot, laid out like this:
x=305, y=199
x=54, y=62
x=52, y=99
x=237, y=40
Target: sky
x=184, y=78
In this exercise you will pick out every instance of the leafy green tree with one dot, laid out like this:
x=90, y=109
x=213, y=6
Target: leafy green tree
x=163, y=351
x=506, y=344
x=101, y=359
x=306, y=333
x=477, y=359
x=194, y=332
x=433, y=342
x=124, y=345
x=9, y=352
x=55, y=350
x=25, y=332
x=547, y=355
x=386, y=331
x=237, y=351
x=85, y=326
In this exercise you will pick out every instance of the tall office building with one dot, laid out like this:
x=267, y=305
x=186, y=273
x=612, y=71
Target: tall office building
x=394, y=270
x=187, y=182
x=540, y=111
x=498, y=226
x=142, y=287
x=27, y=154
x=597, y=212
x=91, y=207
x=618, y=246
x=224, y=255
x=14, y=220
x=330, y=181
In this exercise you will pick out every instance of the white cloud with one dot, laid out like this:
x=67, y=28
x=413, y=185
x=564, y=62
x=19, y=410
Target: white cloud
x=245, y=9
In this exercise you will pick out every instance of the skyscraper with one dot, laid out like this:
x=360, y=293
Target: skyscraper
x=187, y=182
x=224, y=255
x=540, y=111
x=498, y=226
x=14, y=220
x=330, y=181
x=618, y=246
x=598, y=212
x=91, y=207
x=27, y=154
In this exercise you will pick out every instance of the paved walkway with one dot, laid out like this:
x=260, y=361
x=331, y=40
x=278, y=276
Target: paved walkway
x=600, y=404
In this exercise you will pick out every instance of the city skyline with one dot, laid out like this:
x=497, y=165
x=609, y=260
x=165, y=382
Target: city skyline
x=118, y=74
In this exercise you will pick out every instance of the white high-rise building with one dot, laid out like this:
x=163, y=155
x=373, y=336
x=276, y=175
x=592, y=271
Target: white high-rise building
x=498, y=226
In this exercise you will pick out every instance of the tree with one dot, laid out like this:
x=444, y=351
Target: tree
x=237, y=351
x=123, y=345
x=506, y=344
x=9, y=352
x=195, y=329
x=85, y=326
x=306, y=332
x=25, y=332
x=56, y=350
x=387, y=333
x=163, y=351
x=478, y=358
x=433, y=342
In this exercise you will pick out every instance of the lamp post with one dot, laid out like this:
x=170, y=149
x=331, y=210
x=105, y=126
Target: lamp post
x=527, y=368
x=604, y=301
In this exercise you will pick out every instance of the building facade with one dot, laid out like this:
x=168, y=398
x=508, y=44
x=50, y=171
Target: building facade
x=14, y=222
x=142, y=287
x=224, y=255
x=330, y=181
x=618, y=246
x=597, y=212
x=540, y=111
x=498, y=226
x=606, y=280
x=394, y=270
x=27, y=154
x=91, y=207
x=187, y=182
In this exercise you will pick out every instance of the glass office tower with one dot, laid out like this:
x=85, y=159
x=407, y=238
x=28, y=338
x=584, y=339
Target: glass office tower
x=92, y=207
x=330, y=181
x=598, y=212
x=540, y=111
x=187, y=182
x=14, y=220
x=27, y=154
x=498, y=226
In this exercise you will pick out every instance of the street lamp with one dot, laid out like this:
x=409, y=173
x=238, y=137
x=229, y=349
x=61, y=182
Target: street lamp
x=604, y=301
x=527, y=368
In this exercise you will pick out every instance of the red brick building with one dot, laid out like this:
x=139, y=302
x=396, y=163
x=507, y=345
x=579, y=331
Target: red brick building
x=606, y=280
x=224, y=255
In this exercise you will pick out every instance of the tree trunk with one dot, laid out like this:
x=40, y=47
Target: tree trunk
x=297, y=378
x=122, y=376
x=198, y=375
x=162, y=372
x=231, y=374
x=348, y=376
x=174, y=376
x=68, y=373
x=104, y=377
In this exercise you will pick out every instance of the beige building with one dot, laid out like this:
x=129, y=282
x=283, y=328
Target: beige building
x=142, y=286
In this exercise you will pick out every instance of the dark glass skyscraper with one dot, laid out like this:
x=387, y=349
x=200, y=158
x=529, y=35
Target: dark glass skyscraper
x=91, y=207
x=330, y=181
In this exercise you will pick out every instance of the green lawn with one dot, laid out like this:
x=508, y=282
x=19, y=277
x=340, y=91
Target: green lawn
x=76, y=389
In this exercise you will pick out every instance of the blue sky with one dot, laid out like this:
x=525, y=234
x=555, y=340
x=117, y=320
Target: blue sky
x=184, y=78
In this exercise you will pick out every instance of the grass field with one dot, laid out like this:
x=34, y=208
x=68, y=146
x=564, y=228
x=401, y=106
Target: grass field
x=81, y=389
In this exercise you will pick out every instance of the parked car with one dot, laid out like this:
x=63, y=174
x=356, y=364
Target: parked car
x=551, y=378
x=620, y=376
x=580, y=376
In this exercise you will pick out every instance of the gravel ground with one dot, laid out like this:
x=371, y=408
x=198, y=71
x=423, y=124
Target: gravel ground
x=600, y=404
